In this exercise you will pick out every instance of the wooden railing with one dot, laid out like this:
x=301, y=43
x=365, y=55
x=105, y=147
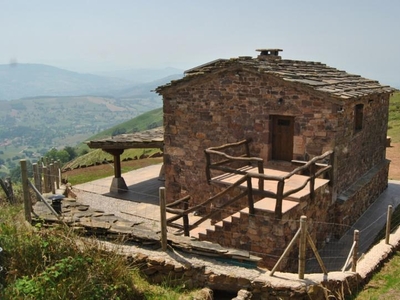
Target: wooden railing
x=184, y=213
x=224, y=160
x=314, y=168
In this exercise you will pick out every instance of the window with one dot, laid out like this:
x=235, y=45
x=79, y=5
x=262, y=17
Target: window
x=358, y=117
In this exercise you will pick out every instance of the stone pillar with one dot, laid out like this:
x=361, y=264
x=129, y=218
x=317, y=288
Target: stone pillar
x=118, y=184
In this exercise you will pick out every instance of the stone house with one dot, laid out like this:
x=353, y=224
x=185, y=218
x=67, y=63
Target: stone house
x=291, y=110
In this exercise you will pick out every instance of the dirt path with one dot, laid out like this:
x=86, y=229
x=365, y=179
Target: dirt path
x=393, y=154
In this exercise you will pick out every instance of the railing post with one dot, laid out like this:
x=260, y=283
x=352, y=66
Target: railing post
x=312, y=181
x=40, y=173
x=25, y=189
x=279, y=199
x=52, y=179
x=185, y=217
x=355, y=251
x=388, y=223
x=57, y=173
x=302, y=246
x=46, y=179
x=250, y=196
x=208, y=162
x=261, y=171
x=163, y=218
x=36, y=178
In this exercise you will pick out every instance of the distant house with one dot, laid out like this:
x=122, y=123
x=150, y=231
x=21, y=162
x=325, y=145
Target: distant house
x=291, y=110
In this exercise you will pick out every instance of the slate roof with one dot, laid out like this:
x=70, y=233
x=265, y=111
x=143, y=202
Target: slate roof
x=152, y=138
x=316, y=75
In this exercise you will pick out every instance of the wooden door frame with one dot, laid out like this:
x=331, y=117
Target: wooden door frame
x=278, y=151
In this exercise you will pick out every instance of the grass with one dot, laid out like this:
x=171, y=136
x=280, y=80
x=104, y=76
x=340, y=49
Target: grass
x=55, y=263
x=97, y=172
x=385, y=284
x=394, y=118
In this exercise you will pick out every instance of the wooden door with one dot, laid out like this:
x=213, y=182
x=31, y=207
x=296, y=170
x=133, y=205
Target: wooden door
x=282, y=137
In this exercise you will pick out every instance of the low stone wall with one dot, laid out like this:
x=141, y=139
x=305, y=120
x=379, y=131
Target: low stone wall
x=199, y=272
x=366, y=191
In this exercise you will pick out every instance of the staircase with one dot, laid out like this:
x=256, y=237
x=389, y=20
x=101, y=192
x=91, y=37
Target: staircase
x=265, y=206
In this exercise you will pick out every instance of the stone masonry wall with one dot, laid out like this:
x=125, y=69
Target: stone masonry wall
x=359, y=151
x=367, y=192
x=195, y=273
x=232, y=105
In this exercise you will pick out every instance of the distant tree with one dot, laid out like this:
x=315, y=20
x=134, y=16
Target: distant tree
x=71, y=152
x=84, y=151
x=55, y=154
x=118, y=131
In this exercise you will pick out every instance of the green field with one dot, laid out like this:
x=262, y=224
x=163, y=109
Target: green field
x=394, y=118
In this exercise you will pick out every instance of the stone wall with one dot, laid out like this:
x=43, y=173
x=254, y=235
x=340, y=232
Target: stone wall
x=233, y=105
x=359, y=151
x=189, y=272
x=361, y=196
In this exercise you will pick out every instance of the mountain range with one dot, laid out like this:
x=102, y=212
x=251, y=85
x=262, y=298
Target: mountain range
x=33, y=80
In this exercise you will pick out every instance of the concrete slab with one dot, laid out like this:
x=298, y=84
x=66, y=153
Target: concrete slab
x=143, y=185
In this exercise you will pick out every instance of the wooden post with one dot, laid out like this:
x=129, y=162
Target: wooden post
x=302, y=246
x=388, y=223
x=287, y=250
x=185, y=217
x=279, y=199
x=250, y=196
x=57, y=173
x=36, y=178
x=260, y=165
x=25, y=189
x=40, y=173
x=333, y=175
x=208, y=163
x=46, y=179
x=355, y=251
x=52, y=179
x=163, y=218
x=312, y=181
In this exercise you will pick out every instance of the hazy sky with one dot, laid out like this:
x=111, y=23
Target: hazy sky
x=359, y=36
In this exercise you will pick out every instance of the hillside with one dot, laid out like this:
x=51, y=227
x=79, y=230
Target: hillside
x=38, y=80
x=148, y=120
x=31, y=80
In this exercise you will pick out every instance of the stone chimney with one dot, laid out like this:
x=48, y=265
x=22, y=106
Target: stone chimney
x=269, y=54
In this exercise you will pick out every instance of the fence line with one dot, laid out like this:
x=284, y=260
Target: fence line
x=332, y=252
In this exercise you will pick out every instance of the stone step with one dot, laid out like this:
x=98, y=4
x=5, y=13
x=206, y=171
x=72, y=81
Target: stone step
x=265, y=204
